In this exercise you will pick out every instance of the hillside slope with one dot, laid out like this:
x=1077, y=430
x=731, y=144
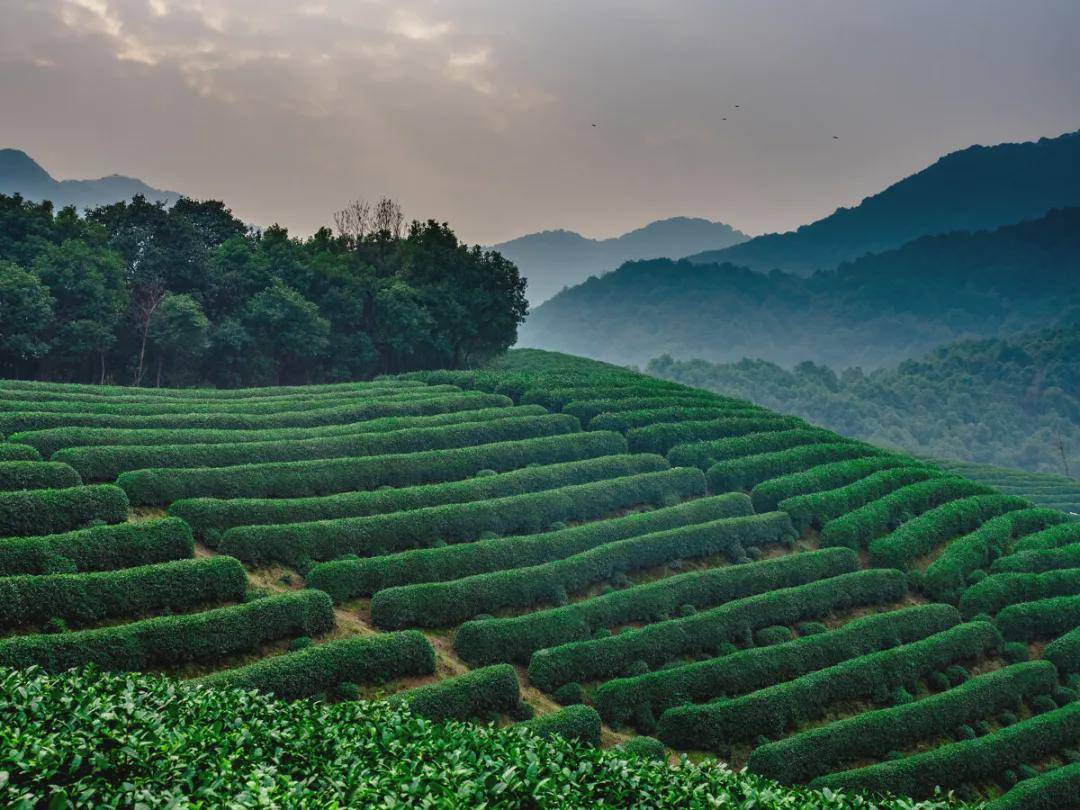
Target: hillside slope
x=976, y=188
x=491, y=544
x=552, y=260
x=21, y=174
x=1014, y=403
x=877, y=310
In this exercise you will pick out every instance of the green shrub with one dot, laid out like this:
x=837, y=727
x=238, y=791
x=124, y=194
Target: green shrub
x=569, y=694
x=777, y=634
x=1052, y=789
x=53, y=439
x=783, y=706
x=320, y=667
x=1015, y=652
x=105, y=463
x=18, y=452
x=921, y=535
x=16, y=475
x=517, y=638
x=578, y=723
x=706, y=454
x=47, y=511
x=1038, y=561
x=1044, y=618
x=662, y=437
x=457, y=522
x=85, y=598
x=644, y=747
x=474, y=694
x=629, y=391
x=172, y=640
x=749, y=670
x=623, y=415
x=294, y=479
x=919, y=775
x=857, y=528
x=100, y=548
x=768, y=494
x=967, y=555
x=348, y=578
x=209, y=517
x=1065, y=652
x=658, y=643
x=814, y=509
x=19, y=421
x=1000, y=590
x=445, y=603
x=1063, y=534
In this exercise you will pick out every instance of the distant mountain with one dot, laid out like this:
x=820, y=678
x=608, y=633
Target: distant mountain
x=877, y=310
x=976, y=188
x=551, y=260
x=21, y=174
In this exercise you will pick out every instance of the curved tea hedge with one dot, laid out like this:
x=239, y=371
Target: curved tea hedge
x=774, y=710
x=814, y=509
x=518, y=638
x=48, y=511
x=105, y=463
x=18, y=452
x=1056, y=536
x=1064, y=652
x=1052, y=789
x=31, y=389
x=768, y=494
x=706, y=454
x=1038, y=561
x=801, y=757
x=558, y=398
x=53, y=439
x=320, y=667
x=17, y=421
x=172, y=640
x=857, y=528
x=474, y=694
x=84, y=598
x=649, y=412
x=947, y=576
x=296, y=479
x=349, y=578
x=579, y=723
x=99, y=548
x=746, y=472
x=922, y=534
x=661, y=438
x=1044, y=618
x=437, y=604
x=998, y=591
x=296, y=543
x=36, y=475
x=656, y=644
x=209, y=517
x=920, y=774
x=739, y=673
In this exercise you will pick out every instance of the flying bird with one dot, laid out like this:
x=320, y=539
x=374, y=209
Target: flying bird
x=836, y=137
x=595, y=125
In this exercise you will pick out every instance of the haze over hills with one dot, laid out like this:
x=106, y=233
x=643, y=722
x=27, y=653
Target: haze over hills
x=877, y=310
x=552, y=260
x=975, y=188
x=21, y=174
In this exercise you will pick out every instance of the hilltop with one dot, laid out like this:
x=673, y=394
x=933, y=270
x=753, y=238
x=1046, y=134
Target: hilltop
x=552, y=260
x=21, y=174
x=877, y=310
x=977, y=188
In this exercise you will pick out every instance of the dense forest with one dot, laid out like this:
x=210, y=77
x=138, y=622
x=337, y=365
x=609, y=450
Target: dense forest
x=137, y=292
x=876, y=311
x=1013, y=403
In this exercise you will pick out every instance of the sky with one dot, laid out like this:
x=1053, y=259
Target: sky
x=480, y=112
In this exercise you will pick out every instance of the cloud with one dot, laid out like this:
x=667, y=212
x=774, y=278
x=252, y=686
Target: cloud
x=410, y=25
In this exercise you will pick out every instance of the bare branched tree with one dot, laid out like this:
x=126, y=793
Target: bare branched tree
x=354, y=220
x=388, y=218
x=145, y=302
x=361, y=219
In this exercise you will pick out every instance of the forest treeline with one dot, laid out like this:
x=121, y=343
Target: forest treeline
x=1013, y=403
x=140, y=293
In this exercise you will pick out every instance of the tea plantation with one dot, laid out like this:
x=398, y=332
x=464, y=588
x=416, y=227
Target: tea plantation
x=559, y=574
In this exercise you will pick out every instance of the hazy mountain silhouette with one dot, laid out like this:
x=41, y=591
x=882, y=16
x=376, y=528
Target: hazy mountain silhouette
x=975, y=188
x=21, y=174
x=551, y=260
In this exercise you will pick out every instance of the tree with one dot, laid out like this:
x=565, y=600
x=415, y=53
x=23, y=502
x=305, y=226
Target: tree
x=25, y=316
x=288, y=329
x=179, y=335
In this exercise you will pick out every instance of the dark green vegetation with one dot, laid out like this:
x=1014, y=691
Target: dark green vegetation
x=1012, y=402
x=873, y=311
x=645, y=559
x=137, y=292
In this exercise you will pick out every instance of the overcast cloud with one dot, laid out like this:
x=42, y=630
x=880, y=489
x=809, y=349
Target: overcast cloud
x=480, y=113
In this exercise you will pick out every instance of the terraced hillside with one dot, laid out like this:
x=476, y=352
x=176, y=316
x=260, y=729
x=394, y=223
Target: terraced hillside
x=1044, y=489
x=553, y=532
